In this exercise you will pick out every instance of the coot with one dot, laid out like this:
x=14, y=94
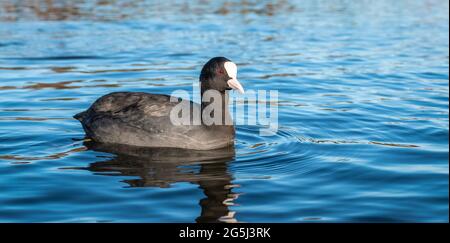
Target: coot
x=143, y=119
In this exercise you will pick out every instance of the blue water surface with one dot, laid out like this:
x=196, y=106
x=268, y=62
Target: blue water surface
x=363, y=110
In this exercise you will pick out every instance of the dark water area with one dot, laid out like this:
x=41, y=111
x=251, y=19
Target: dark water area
x=363, y=111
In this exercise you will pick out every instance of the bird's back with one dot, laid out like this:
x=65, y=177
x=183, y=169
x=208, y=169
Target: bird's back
x=142, y=119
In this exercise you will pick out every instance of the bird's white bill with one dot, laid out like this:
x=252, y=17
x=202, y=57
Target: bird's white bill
x=234, y=84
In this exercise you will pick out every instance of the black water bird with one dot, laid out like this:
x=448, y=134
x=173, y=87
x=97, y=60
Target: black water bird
x=143, y=119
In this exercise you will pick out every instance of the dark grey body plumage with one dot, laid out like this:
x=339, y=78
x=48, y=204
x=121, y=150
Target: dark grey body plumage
x=143, y=119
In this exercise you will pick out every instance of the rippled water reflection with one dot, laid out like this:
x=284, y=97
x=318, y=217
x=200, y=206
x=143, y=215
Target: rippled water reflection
x=363, y=111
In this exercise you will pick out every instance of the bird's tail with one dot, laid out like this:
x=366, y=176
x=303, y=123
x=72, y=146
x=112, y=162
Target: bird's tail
x=80, y=116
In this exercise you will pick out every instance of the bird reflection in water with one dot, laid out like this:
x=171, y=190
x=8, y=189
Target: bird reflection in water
x=161, y=167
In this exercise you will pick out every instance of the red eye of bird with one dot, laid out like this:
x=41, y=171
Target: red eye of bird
x=220, y=71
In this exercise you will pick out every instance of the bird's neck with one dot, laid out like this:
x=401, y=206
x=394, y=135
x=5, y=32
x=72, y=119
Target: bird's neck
x=216, y=109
